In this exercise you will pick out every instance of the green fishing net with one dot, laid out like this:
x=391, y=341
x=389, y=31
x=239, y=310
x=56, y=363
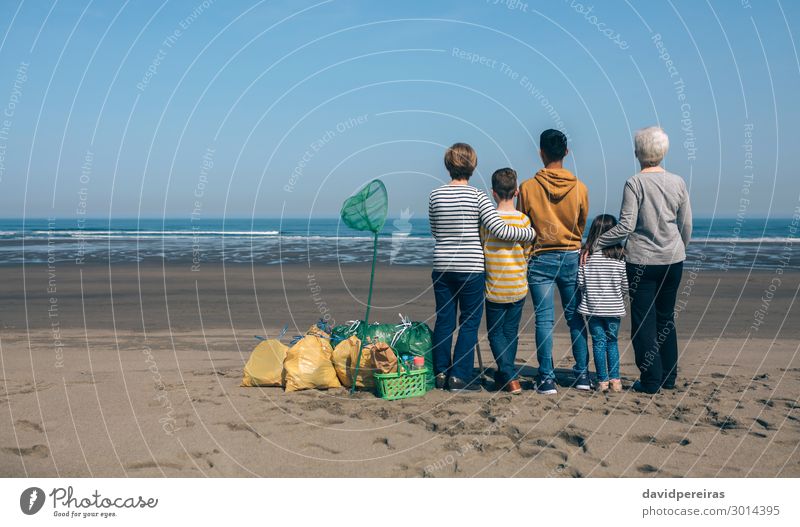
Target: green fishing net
x=366, y=210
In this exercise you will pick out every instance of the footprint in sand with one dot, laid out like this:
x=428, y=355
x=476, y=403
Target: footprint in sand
x=727, y=422
x=383, y=413
x=383, y=441
x=205, y=456
x=330, y=422
x=200, y=400
x=31, y=388
x=663, y=442
x=534, y=449
x=565, y=470
x=402, y=468
x=575, y=473
x=321, y=447
x=153, y=464
x=239, y=427
x=573, y=439
x=513, y=433
x=765, y=424
x=29, y=425
x=680, y=414
x=36, y=451
x=444, y=413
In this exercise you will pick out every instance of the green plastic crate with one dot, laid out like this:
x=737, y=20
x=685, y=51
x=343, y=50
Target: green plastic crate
x=401, y=385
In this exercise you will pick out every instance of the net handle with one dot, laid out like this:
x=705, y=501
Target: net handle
x=365, y=325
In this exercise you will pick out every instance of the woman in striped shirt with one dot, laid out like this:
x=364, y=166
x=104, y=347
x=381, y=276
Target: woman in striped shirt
x=456, y=211
x=603, y=282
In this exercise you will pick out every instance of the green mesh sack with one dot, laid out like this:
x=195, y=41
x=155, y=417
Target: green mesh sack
x=344, y=332
x=416, y=338
x=366, y=210
x=406, y=338
x=374, y=332
x=380, y=333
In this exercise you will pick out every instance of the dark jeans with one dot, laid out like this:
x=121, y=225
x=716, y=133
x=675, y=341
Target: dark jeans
x=653, y=290
x=546, y=273
x=465, y=292
x=502, y=323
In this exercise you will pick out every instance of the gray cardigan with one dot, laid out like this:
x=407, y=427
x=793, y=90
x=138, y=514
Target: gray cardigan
x=655, y=218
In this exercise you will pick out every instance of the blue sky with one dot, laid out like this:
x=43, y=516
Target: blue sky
x=274, y=108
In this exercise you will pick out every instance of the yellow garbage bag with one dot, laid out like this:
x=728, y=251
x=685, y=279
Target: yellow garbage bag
x=265, y=365
x=309, y=364
x=344, y=360
x=317, y=331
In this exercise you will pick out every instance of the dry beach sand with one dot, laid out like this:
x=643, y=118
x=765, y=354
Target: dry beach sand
x=136, y=372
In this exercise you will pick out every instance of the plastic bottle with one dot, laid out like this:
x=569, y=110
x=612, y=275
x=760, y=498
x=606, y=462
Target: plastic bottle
x=419, y=363
x=406, y=359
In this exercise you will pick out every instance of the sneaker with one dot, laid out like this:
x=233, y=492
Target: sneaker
x=602, y=386
x=582, y=382
x=546, y=387
x=441, y=381
x=454, y=384
x=616, y=385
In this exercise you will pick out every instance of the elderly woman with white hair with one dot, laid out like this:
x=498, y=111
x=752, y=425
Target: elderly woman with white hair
x=656, y=221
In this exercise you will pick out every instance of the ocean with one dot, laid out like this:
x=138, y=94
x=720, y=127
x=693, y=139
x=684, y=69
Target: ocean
x=717, y=243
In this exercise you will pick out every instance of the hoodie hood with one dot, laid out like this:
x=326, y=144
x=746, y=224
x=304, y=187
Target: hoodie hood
x=556, y=182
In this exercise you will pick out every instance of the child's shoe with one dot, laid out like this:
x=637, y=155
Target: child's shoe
x=513, y=387
x=616, y=385
x=602, y=386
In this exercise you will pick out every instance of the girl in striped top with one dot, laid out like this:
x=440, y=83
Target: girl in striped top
x=456, y=211
x=603, y=283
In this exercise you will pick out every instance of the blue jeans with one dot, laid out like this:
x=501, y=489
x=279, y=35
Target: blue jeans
x=464, y=291
x=502, y=323
x=546, y=272
x=604, y=331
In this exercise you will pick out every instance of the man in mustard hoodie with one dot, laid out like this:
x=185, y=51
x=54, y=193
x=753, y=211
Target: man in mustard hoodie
x=557, y=204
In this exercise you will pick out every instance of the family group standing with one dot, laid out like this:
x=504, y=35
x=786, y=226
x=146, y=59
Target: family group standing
x=490, y=258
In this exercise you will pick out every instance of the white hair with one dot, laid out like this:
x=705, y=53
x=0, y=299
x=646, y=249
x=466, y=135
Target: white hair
x=651, y=145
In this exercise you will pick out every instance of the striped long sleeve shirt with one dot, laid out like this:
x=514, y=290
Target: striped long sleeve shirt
x=506, y=262
x=456, y=213
x=603, y=283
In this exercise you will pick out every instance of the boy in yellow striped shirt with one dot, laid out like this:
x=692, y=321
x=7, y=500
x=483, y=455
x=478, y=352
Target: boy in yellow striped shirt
x=506, y=281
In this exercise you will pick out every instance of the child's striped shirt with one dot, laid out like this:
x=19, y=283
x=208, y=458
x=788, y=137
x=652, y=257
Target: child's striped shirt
x=506, y=262
x=604, y=283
